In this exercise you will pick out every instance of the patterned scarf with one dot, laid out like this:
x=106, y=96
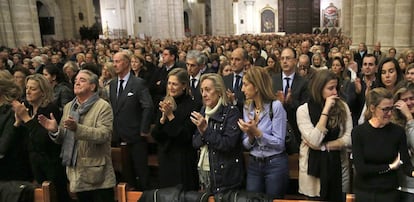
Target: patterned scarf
x=69, y=152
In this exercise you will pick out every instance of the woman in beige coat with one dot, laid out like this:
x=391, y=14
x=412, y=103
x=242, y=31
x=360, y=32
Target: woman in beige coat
x=85, y=134
x=325, y=124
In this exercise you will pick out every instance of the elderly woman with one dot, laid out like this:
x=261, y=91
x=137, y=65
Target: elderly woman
x=264, y=126
x=218, y=138
x=85, y=134
x=44, y=154
x=14, y=159
x=325, y=125
x=379, y=147
x=71, y=69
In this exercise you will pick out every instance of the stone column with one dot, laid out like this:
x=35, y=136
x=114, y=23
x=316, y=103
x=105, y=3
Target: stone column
x=359, y=21
x=403, y=25
x=346, y=17
x=222, y=17
x=25, y=22
x=167, y=19
x=249, y=19
x=384, y=24
x=371, y=21
x=68, y=25
x=6, y=27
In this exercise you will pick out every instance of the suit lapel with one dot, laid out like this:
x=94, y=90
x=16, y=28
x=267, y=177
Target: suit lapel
x=122, y=98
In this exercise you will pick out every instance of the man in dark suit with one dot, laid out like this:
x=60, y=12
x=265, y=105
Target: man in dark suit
x=158, y=84
x=290, y=87
x=362, y=51
x=233, y=82
x=195, y=62
x=258, y=60
x=133, y=108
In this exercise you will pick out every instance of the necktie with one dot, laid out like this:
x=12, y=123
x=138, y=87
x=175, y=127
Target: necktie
x=121, y=87
x=287, y=86
x=193, y=83
x=237, y=83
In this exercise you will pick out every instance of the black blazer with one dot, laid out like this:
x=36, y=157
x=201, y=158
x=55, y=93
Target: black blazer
x=133, y=110
x=299, y=95
x=228, y=82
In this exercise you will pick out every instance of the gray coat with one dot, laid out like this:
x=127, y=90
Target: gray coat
x=93, y=169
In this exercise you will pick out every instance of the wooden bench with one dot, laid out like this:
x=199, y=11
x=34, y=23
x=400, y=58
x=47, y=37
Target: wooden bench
x=350, y=197
x=123, y=195
x=44, y=193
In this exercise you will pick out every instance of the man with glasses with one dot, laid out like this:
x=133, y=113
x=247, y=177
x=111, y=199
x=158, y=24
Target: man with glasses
x=290, y=87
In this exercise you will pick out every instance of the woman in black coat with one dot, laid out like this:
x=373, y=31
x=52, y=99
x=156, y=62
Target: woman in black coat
x=14, y=159
x=218, y=137
x=43, y=152
x=173, y=132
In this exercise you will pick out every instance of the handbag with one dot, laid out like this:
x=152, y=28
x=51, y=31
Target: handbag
x=291, y=144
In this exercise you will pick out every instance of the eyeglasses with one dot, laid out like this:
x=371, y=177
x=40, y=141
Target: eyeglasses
x=408, y=98
x=387, y=109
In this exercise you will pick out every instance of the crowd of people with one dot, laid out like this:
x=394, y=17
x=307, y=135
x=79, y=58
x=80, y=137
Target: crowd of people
x=205, y=100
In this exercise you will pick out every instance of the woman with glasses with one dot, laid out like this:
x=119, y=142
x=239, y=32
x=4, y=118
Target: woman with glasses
x=403, y=116
x=379, y=148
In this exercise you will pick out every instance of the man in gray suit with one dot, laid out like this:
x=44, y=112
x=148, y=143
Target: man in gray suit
x=133, y=108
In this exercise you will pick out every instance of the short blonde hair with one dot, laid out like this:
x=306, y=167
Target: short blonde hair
x=218, y=85
x=44, y=86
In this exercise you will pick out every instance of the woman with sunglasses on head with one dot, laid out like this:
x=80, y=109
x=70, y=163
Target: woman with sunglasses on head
x=403, y=116
x=379, y=149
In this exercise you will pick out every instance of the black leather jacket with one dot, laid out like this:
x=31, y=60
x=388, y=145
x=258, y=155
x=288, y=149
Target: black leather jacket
x=223, y=137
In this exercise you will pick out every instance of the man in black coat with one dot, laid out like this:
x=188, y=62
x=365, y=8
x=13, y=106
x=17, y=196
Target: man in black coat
x=133, y=108
x=233, y=82
x=290, y=87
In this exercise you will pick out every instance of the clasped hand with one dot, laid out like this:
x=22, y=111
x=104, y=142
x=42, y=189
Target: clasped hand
x=166, y=109
x=199, y=121
x=249, y=127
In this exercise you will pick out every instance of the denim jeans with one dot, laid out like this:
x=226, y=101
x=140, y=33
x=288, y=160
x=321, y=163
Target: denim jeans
x=269, y=176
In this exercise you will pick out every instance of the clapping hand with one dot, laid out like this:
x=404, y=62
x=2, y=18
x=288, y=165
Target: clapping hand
x=199, y=121
x=49, y=124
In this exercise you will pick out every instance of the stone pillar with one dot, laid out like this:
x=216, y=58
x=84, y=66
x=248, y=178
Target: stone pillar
x=222, y=17
x=359, y=21
x=25, y=22
x=403, y=25
x=167, y=19
x=384, y=24
x=6, y=27
x=69, y=31
x=346, y=17
x=249, y=19
x=371, y=22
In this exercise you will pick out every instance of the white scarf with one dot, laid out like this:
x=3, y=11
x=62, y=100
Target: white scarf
x=204, y=163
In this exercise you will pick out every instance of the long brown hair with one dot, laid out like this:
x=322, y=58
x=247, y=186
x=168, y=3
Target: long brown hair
x=337, y=113
x=260, y=79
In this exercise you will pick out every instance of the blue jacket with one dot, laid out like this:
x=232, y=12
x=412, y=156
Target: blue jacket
x=223, y=137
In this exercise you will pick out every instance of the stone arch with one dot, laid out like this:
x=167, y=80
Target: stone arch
x=50, y=8
x=268, y=19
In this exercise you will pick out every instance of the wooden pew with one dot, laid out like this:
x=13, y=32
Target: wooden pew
x=44, y=193
x=293, y=162
x=350, y=197
x=126, y=196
